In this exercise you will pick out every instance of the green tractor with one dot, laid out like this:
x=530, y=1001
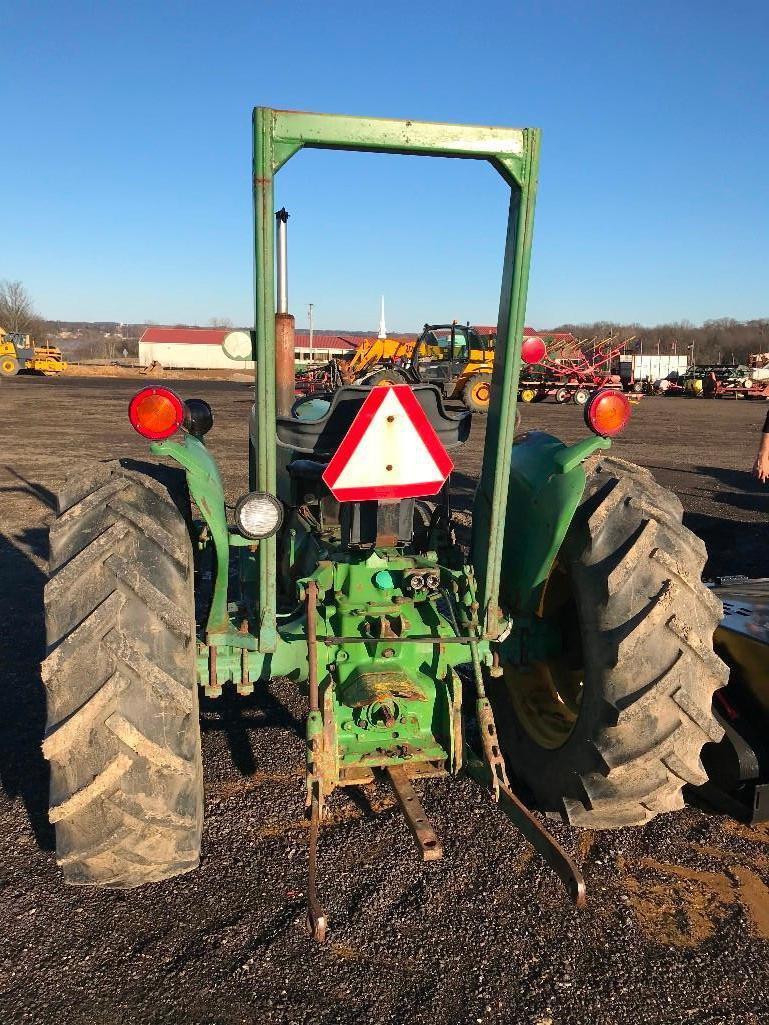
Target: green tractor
x=572, y=647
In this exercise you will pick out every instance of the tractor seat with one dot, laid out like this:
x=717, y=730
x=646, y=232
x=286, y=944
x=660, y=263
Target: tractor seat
x=321, y=435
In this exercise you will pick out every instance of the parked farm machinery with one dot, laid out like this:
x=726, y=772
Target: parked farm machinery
x=572, y=372
x=570, y=651
x=453, y=357
x=714, y=381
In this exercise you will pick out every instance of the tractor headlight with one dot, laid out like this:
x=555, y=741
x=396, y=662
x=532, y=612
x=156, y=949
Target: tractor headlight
x=258, y=515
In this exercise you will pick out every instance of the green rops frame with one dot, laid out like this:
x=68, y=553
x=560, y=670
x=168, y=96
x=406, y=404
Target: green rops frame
x=278, y=135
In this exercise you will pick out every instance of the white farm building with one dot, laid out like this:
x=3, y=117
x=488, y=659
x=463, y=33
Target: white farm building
x=196, y=348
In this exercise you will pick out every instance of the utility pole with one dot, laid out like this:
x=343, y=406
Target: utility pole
x=309, y=310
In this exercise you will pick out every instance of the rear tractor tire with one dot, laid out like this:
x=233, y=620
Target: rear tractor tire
x=476, y=394
x=123, y=735
x=607, y=734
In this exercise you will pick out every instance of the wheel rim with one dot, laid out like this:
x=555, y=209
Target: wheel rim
x=481, y=392
x=547, y=695
x=8, y=366
x=527, y=395
x=546, y=700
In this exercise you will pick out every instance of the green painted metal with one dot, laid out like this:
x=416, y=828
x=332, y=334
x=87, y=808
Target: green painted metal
x=500, y=430
x=289, y=659
x=278, y=135
x=262, y=470
x=546, y=484
x=292, y=130
x=205, y=484
x=385, y=702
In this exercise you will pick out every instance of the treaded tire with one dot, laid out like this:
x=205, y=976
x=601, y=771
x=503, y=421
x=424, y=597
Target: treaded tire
x=469, y=398
x=123, y=734
x=390, y=375
x=9, y=366
x=646, y=624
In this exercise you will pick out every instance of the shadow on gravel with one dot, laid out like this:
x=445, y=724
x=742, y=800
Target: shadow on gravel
x=23, y=770
x=741, y=480
x=734, y=546
x=238, y=716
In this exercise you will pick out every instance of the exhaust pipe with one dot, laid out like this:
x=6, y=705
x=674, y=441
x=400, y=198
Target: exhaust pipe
x=284, y=324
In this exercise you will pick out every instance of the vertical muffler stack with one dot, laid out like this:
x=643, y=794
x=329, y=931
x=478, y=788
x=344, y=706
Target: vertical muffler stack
x=284, y=325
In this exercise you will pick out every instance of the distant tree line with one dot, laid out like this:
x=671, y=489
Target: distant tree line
x=716, y=341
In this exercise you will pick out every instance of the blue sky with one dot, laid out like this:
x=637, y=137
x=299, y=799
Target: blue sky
x=125, y=178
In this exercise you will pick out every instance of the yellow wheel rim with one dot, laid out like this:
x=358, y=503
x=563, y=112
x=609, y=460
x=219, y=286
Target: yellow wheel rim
x=527, y=395
x=481, y=392
x=8, y=366
x=547, y=695
x=546, y=698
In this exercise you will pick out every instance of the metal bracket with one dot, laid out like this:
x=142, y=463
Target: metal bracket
x=424, y=834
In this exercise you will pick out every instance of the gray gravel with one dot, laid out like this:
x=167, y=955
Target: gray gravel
x=678, y=917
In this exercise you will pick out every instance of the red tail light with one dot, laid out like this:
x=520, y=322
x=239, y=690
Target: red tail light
x=607, y=412
x=156, y=413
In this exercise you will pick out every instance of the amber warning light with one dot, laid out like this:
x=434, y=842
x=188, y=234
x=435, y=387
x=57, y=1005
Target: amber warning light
x=156, y=413
x=607, y=412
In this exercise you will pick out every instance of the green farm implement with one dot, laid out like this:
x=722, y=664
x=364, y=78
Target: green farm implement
x=572, y=647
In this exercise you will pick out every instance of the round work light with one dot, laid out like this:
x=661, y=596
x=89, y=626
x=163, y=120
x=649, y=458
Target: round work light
x=258, y=515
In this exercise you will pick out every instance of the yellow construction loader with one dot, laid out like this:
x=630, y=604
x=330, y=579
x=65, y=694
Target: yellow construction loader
x=19, y=353
x=453, y=357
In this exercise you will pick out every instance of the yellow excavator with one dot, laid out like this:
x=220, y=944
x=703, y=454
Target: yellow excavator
x=18, y=353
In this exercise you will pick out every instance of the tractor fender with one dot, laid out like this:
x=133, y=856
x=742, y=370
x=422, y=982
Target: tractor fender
x=205, y=485
x=547, y=481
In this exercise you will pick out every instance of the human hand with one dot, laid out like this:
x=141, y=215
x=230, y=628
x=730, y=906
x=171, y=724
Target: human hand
x=761, y=465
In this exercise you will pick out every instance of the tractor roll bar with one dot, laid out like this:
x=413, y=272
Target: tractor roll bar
x=514, y=152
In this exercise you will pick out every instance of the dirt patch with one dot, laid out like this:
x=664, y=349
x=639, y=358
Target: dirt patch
x=684, y=907
x=154, y=373
x=334, y=818
x=585, y=845
x=754, y=895
x=757, y=833
x=236, y=787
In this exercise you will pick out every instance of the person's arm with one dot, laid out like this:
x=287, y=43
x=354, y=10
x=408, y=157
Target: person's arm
x=761, y=465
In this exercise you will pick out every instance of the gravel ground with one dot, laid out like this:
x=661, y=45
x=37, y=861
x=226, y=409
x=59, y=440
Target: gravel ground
x=677, y=923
